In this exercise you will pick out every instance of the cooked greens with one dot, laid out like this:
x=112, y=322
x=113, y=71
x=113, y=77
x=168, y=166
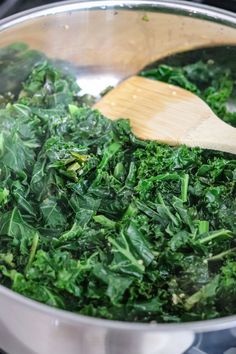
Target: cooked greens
x=95, y=221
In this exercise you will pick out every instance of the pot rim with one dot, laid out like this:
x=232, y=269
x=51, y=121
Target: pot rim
x=174, y=6
x=180, y=7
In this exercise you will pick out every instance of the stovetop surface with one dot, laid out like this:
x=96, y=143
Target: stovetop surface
x=207, y=343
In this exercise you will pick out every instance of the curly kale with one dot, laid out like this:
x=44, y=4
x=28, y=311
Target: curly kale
x=96, y=221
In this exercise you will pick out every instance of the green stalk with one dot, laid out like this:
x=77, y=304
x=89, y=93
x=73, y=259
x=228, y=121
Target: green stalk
x=221, y=255
x=215, y=234
x=32, y=251
x=104, y=221
x=203, y=226
x=184, y=188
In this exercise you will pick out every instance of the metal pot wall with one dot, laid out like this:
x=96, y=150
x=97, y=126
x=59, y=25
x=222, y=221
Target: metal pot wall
x=107, y=41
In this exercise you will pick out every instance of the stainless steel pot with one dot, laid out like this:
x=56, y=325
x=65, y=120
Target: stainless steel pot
x=107, y=40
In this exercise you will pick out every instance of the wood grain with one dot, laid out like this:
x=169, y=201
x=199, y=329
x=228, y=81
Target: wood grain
x=169, y=114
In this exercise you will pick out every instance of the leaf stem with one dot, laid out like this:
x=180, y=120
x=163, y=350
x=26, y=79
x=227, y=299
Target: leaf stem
x=203, y=226
x=215, y=234
x=221, y=255
x=32, y=251
x=184, y=188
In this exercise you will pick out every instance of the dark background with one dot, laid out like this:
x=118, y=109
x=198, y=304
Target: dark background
x=9, y=7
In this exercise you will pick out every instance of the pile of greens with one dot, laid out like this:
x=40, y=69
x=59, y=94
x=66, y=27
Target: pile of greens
x=98, y=222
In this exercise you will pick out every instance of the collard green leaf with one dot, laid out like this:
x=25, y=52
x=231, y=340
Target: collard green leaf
x=139, y=243
x=125, y=261
x=52, y=214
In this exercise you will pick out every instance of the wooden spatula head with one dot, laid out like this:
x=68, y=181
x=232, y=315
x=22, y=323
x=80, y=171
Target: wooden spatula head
x=169, y=114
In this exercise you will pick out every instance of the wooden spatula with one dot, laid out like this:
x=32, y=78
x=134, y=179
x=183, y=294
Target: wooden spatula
x=169, y=114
